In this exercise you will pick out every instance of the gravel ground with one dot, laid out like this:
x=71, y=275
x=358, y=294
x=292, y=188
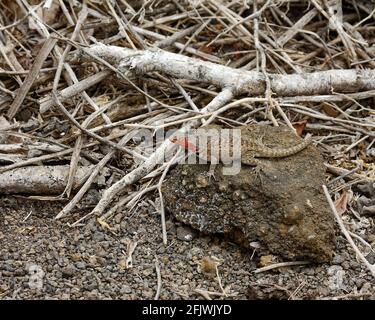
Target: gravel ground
x=45, y=259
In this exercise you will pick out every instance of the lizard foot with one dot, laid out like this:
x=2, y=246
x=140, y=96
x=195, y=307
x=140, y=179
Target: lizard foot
x=211, y=172
x=258, y=172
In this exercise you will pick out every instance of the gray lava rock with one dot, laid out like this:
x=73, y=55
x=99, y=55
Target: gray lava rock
x=68, y=271
x=366, y=205
x=185, y=233
x=80, y=265
x=281, y=205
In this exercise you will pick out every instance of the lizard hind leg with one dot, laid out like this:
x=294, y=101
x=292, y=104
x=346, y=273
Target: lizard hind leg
x=251, y=161
x=258, y=174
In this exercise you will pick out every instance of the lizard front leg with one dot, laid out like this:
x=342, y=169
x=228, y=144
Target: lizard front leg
x=249, y=160
x=211, y=171
x=213, y=163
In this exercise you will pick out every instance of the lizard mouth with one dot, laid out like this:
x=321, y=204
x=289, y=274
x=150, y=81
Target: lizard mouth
x=184, y=143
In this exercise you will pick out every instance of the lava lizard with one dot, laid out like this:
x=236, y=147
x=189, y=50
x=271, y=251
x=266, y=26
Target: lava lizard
x=251, y=149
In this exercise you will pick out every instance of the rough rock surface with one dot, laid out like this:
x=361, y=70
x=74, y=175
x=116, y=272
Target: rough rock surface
x=281, y=205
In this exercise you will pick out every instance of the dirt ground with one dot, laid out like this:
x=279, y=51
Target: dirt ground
x=45, y=259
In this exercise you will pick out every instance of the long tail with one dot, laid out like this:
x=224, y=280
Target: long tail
x=284, y=152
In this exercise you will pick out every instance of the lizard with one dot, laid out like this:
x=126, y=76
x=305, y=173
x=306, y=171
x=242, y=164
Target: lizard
x=251, y=150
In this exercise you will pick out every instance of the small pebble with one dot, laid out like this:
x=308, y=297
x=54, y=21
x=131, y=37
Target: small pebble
x=185, y=233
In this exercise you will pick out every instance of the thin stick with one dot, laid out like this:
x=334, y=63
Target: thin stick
x=88, y=132
x=47, y=102
x=31, y=76
x=280, y=265
x=158, y=274
x=346, y=233
x=162, y=210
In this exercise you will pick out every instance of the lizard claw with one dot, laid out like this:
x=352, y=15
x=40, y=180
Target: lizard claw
x=258, y=172
x=211, y=172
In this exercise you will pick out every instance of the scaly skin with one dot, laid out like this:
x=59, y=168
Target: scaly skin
x=261, y=151
x=250, y=150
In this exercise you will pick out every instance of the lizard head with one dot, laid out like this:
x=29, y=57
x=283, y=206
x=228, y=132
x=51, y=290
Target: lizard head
x=184, y=143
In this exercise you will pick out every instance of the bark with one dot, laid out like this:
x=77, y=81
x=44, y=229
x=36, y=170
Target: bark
x=239, y=81
x=40, y=179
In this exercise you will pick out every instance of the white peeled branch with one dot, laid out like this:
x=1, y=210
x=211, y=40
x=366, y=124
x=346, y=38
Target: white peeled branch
x=239, y=81
x=40, y=179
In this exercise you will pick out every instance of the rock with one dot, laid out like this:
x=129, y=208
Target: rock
x=366, y=206
x=148, y=294
x=98, y=236
x=93, y=196
x=195, y=251
x=19, y=272
x=185, y=233
x=366, y=287
x=68, y=271
x=338, y=259
x=91, y=286
x=371, y=257
x=93, y=295
x=80, y=265
x=125, y=289
x=336, y=278
x=76, y=257
x=367, y=189
x=49, y=288
x=281, y=204
x=147, y=272
x=267, y=260
x=4, y=287
x=369, y=211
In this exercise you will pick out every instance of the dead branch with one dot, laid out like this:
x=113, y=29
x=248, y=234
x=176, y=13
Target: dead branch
x=239, y=81
x=39, y=180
